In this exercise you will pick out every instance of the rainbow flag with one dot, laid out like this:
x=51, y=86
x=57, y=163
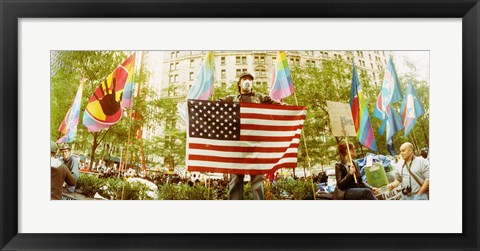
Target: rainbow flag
x=411, y=108
x=127, y=99
x=360, y=116
x=202, y=88
x=104, y=108
x=68, y=127
x=282, y=83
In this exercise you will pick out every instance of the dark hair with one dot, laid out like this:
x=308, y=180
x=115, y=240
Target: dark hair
x=342, y=150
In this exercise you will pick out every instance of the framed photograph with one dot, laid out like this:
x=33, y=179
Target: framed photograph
x=445, y=33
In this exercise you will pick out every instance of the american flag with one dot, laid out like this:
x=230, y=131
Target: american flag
x=242, y=138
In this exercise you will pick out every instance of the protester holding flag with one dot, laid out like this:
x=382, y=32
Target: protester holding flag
x=246, y=94
x=347, y=187
x=413, y=173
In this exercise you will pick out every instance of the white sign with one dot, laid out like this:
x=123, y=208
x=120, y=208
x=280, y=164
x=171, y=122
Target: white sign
x=341, y=120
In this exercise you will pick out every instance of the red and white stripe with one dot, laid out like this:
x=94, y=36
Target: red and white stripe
x=269, y=138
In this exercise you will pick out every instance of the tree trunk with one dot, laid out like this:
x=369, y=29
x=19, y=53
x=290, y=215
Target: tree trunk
x=425, y=135
x=94, y=147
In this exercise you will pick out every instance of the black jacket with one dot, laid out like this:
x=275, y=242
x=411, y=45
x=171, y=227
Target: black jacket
x=345, y=180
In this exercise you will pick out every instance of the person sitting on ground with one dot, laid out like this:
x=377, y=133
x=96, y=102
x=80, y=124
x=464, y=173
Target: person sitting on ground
x=71, y=162
x=345, y=171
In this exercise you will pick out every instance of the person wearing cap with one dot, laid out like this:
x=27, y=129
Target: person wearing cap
x=71, y=162
x=59, y=174
x=247, y=95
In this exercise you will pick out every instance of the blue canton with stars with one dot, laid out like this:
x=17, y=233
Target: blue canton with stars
x=214, y=119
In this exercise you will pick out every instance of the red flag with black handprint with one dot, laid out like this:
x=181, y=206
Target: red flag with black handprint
x=104, y=108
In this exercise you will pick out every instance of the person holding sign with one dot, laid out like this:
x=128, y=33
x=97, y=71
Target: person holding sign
x=349, y=183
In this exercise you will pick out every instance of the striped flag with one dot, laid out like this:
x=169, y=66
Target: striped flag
x=242, y=138
x=68, y=127
x=360, y=116
x=282, y=83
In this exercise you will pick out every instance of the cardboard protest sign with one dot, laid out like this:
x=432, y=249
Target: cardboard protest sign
x=341, y=120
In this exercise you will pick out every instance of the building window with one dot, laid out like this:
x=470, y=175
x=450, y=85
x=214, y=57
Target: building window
x=224, y=74
x=170, y=79
x=176, y=66
x=241, y=60
x=259, y=60
x=171, y=66
x=175, y=78
x=274, y=60
x=191, y=75
x=192, y=62
x=371, y=65
x=260, y=73
x=294, y=61
x=174, y=54
x=240, y=71
x=222, y=60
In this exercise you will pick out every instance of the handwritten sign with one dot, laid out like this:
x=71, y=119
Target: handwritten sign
x=341, y=120
x=395, y=194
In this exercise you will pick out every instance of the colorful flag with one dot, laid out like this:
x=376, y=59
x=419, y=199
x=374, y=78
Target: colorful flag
x=68, y=127
x=360, y=116
x=282, y=83
x=202, y=88
x=411, y=108
x=104, y=108
x=390, y=92
x=393, y=123
x=127, y=99
x=243, y=138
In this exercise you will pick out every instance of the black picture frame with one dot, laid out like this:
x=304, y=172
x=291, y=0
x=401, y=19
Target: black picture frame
x=11, y=11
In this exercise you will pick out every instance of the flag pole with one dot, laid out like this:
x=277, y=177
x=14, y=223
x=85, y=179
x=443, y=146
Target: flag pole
x=351, y=161
x=307, y=156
